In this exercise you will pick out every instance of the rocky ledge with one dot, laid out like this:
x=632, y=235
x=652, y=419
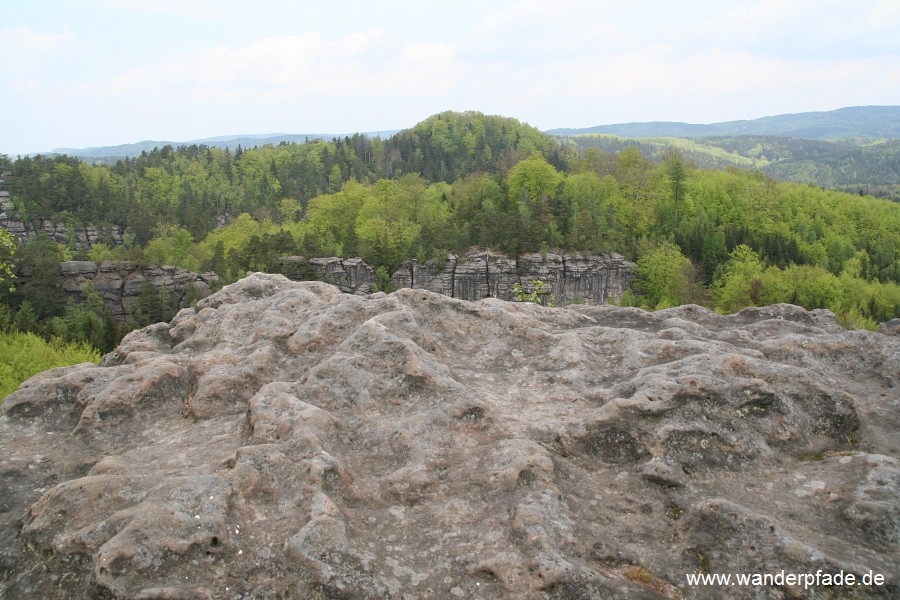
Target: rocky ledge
x=80, y=238
x=286, y=440
x=121, y=283
x=480, y=273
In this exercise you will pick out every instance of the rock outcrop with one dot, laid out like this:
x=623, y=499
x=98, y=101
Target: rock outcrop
x=475, y=275
x=351, y=275
x=121, y=283
x=285, y=440
x=79, y=238
x=478, y=274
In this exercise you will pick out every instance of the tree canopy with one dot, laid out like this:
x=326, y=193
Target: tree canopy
x=727, y=238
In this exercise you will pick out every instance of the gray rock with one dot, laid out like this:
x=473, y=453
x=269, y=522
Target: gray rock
x=120, y=283
x=79, y=238
x=481, y=274
x=351, y=275
x=287, y=440
x=891, y=327
x=478, y=274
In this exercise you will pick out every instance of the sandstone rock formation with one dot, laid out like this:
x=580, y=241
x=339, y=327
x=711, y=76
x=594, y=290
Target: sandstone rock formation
x=479, y=273
x=120, y=283
x=475, y=275
x=80, y=238
x=351, y=275
x=285, y=440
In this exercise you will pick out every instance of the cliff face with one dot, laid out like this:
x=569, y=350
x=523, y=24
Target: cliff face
x=285, y=440
x=485, y=274
x=480, y=274
x=81, y=238
x=475, y=275
x=120, y=283
x=351, y=275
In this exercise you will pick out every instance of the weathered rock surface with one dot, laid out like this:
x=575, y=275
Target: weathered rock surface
x=120, y=283
x=285, y=440
x=81, y=238
x=351, y=275
x=479, y=273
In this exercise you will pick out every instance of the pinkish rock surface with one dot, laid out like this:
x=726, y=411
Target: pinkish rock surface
x=285, y=440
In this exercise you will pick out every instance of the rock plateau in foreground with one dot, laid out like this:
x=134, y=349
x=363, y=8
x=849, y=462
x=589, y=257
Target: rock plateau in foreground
x=285, y=440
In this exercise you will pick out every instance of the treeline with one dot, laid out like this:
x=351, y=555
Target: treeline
x=40, y=306
x=865, y=168
x=193, y=186
x=726, y=239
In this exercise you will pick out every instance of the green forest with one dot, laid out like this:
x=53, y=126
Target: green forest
x=862, y=167
x=725, y=238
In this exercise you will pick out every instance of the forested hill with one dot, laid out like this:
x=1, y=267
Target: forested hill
x=855, y=149
x=727, y=239
x=859, y=168
x=855, y=122
x=845, y=123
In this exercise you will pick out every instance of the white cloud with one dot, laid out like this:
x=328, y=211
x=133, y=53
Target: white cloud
x=25, y=85
x=195, y=9
x=668, y=81
x=208, y=67
x=22, y=38
x=549, y=14
x=536, y=31
x=304, y=68
x=799, y=27
x=29, y=60
x=130, y=81
x=700, y=61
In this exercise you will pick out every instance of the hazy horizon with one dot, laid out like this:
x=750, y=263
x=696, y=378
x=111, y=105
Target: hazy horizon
x=93, y=73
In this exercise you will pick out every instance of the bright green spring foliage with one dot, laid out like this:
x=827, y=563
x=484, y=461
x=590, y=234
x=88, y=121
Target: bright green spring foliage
x=724, y=239
x=23, y=355
x=857, y=303
x=664, y=277
x=7, y=253
x=537, y=292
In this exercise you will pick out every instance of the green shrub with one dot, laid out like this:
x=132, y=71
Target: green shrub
x=537, y=292
x=23, y=355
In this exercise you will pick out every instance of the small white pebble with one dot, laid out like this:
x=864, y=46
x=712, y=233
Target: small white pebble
x=196, y=516
x=240, y=551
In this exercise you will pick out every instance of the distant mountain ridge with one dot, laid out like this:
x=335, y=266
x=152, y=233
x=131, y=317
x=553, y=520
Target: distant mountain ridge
x=855, y=122
x=222, y=141
x=843, y=123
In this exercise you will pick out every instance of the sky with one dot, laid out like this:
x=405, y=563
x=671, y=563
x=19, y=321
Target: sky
x=84, y=73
